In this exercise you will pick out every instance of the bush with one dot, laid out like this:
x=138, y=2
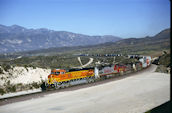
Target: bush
x=25, y=66
x=1, y=71
x=19, y=87
x=2, y=92
x=161, y=69
x=164, y=60
x=8, y=83
x=6, y=67
x=11, y=88
x=34, y=67
x=35, y=85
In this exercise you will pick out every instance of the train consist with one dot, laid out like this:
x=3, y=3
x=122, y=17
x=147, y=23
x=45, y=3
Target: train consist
x=60, y=78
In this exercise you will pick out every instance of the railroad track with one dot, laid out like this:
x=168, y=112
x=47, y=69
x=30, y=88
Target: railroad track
x=71, y=88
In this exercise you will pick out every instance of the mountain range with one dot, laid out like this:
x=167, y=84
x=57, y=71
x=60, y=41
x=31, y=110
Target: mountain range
x=49, y=42
x=16, y=39
x=145, y=46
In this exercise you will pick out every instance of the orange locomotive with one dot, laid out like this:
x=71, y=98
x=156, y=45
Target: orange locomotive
x=60, y=76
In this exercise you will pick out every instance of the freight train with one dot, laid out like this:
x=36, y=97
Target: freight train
x=60, y=78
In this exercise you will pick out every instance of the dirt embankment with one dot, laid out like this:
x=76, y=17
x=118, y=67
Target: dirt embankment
x=21, y=78
x=163, y=63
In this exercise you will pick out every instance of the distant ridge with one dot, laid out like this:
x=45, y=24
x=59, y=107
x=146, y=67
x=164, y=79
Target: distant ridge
x=159, y=42
x=16, y=38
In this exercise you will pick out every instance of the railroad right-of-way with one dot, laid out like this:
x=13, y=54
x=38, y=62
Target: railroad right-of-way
x=134, y=94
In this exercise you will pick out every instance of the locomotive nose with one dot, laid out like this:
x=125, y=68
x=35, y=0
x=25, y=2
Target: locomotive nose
x=50, y=78
x=50, y=75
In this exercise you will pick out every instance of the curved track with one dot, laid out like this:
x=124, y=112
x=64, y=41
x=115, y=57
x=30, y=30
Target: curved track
x=136, y=92
x=72, y=88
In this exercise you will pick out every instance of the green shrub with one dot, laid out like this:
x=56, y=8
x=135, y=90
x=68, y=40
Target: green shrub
x=8, y=83
x=2, y=92
x=11, y=88
x=25, y=66
x=6, y=67
x=19, y=87
x=2, y=78
x=161, y=69
x=35, y=85
x=1, y=71
x=165, y=60
x=30, y=87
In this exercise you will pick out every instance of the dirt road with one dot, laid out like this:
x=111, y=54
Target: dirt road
x=134, y=94
x=82, y=66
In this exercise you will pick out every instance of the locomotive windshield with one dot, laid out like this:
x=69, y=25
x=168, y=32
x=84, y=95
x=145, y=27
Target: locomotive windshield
x=55, y=73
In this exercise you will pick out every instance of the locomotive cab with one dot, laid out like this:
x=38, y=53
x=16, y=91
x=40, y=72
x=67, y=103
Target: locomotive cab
x=55, y=75
x=57, y=72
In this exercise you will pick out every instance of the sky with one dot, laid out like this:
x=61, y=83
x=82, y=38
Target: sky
x=122, y=18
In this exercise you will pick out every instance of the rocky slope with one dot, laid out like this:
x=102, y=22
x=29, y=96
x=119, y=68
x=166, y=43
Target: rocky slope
x=21, y=78
x=24, y=75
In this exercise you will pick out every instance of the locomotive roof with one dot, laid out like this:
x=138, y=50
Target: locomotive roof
x=78, y=69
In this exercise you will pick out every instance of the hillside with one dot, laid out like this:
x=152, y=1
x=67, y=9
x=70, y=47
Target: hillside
x=16, y=39
x=146, y=45
x=66, y=57
x=21, y=78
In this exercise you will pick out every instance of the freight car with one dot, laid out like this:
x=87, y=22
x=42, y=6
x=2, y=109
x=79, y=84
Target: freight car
x=60, y=78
